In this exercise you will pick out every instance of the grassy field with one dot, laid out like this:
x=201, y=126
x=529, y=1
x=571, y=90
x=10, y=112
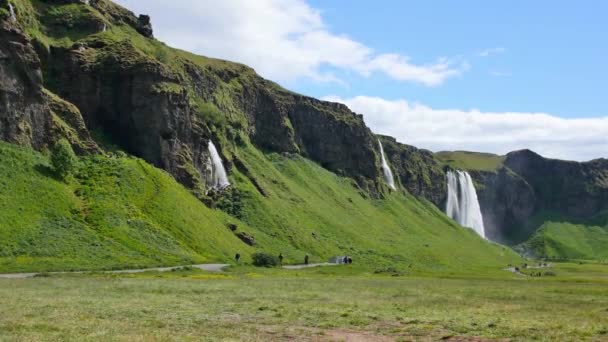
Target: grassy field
x=335, y=303
x=471, y=161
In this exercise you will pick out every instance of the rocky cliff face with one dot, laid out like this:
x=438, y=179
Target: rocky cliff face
x=419, y=171
x=24, y=114
x=507, y=203
x=529, y=188
x=163, y=105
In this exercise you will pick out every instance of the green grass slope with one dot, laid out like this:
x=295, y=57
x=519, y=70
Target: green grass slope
x=564, y=240
x=325, y=215
x=471, y=161
x=116, y=213
x=120, y=212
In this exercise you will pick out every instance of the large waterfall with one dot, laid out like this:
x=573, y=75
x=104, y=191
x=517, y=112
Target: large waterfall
x=388, y=174
x=219, y=178
x=11, y=9
x=462, y=203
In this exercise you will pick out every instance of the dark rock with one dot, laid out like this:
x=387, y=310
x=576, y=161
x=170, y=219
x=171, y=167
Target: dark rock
x=246, y=238
x=144, y=26
x=418, y=171
x=529, y=185
x=233, y=227
x=24, y=114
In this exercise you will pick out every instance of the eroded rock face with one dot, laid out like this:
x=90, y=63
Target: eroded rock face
x=417, y=170
x=507, y=203
x=285, y=122
x=24, y=115
x=138, y=103
x=571, y=188
x=529, y=185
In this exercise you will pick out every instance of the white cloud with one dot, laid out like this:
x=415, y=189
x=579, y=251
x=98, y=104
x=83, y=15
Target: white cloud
x=283, y=40
x=452, y=129
x=492, y=52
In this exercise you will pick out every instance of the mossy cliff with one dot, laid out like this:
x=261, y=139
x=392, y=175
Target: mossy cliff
x=522, y=191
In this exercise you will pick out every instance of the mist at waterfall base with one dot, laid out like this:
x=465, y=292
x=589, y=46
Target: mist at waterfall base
x=219, y=179
x=462, y=203
x=388, y=174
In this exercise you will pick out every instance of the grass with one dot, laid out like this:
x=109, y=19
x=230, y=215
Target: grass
x=324, y=215
x=280, y=305
x=114, y=213
x=568, y=241
x=471, y=161
x=120, y=212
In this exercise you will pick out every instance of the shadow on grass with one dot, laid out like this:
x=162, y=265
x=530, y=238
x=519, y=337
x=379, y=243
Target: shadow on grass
x=47, y=171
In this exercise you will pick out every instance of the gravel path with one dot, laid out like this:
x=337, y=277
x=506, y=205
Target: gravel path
x=203, y=267
x=299, y=267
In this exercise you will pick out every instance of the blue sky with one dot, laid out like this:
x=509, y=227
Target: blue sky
x=442, y=75
x=555, y=58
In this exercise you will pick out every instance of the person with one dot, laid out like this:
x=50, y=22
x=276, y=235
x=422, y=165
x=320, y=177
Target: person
x=306, y=259
x=237, y=257
x=281, y=259
x=345, y=260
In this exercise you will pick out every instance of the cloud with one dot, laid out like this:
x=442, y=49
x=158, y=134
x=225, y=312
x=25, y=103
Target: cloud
x=284, y=40
x=473, y=130
x=492, y=52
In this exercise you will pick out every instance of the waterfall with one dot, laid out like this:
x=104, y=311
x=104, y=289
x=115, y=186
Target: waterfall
x=462, y=203
x=11, y=9
x=219, y=178
x=388, y=174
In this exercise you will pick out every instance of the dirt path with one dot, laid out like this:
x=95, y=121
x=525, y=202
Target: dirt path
x=202, y=267
x=299, y=267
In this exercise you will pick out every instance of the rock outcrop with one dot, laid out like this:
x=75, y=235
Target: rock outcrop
x=528, y=188
x=24, y=114
x=418, y=171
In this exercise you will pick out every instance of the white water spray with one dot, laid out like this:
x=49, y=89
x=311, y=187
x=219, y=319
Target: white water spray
x=388, y=174
x=11, y=9
x=219, y=178
x=462, y=203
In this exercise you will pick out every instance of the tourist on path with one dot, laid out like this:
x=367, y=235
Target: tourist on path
x=237, y=257
x=281, y=259
x=306, y=259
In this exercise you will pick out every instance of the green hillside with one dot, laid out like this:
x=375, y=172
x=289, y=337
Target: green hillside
x=115, y=213
x=564, y=240
x=471, y=161
x=120, y=212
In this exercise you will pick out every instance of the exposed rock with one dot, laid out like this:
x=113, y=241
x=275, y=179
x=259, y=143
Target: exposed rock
x=246, y=238
x=571, y=188
x=529, y=185
x=233, y=227
x=507, y=202
x=144, y=26
x=138, y=102
x=419, y=171
x=24, y=115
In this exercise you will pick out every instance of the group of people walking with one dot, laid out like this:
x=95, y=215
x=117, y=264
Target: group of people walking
x=344, y=260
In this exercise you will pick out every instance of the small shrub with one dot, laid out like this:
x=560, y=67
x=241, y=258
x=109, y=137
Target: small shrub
x=63, y=158
x=264, y=260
